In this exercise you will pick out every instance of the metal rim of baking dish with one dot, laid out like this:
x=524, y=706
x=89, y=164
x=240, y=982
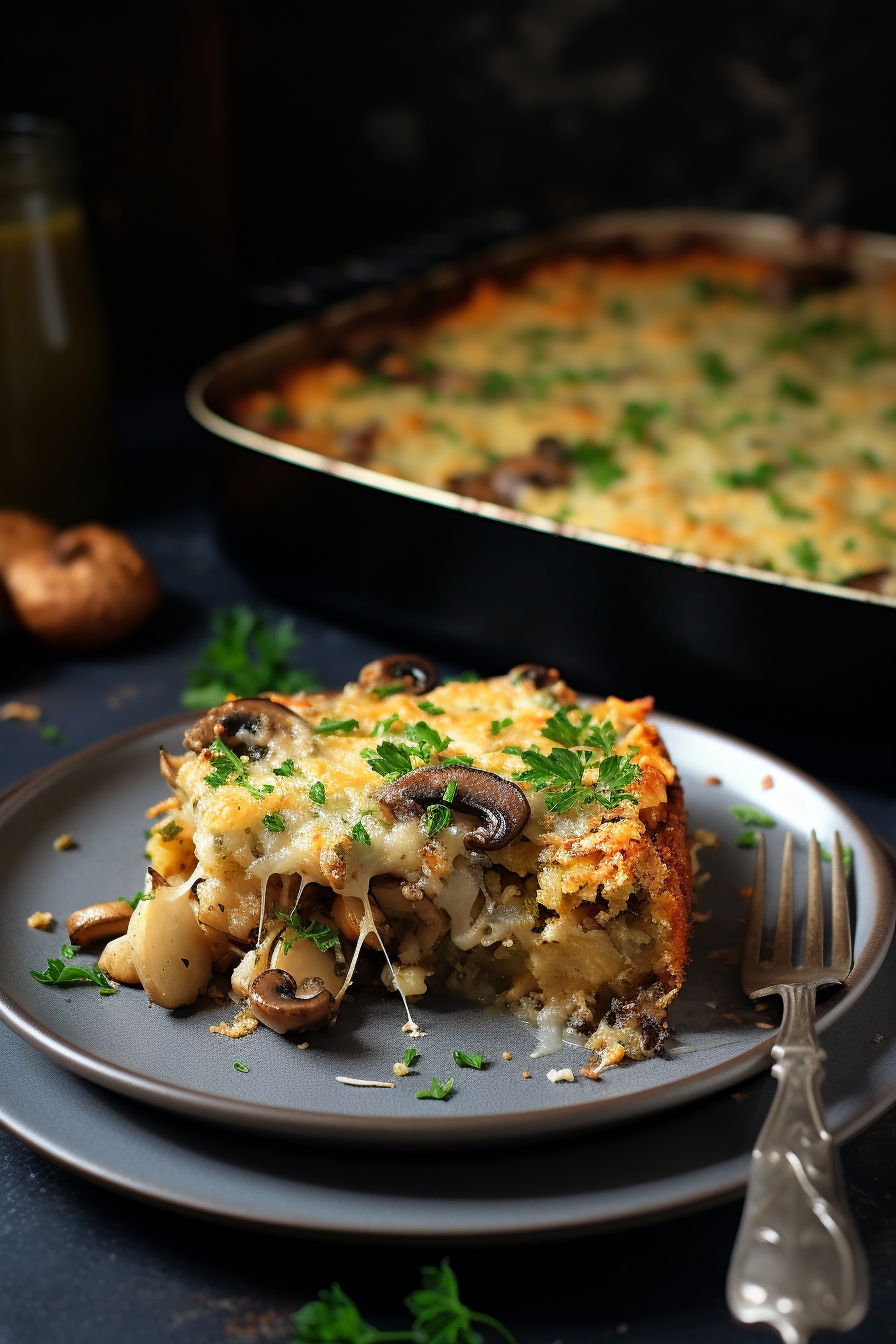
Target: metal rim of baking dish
x=654, y=231
x=459, y=1130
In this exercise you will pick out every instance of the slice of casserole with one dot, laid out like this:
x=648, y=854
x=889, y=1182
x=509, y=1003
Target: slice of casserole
x=491, y=838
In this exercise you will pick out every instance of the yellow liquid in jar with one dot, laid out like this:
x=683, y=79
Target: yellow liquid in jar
x=54, y=394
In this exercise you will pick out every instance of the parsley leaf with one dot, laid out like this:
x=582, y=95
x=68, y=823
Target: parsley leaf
x=320, y=934
x=425, y=739
x=273, y=821
x=317, y=793
x=52, y=734
x=757, y=478
x=359, y=833
x=327, y=727
x=792, y=389
x=715, y=369
x=637, y=420
x=169, y=830
x=141, y=896
x=599, y=464
x=561, y=775
x=463, y=1060
x=68, y=952
x=334, y=1319
x=58, y=973
x=384, y=726
x=247, y=656
x=429, y=708
x=748, y=840
x=240, y=1066
x=785, y=510
x=437, y=817
x=286, y=770
x=439, y=1315
x=498, y=726
x=751, y=816
x=228, y=768
x=470, y=675
x=457, y=760
x=805, y=554
x=560, y=728
x=392, y=689
x=438, y=1091
x=410, y=1056
x=389, y=759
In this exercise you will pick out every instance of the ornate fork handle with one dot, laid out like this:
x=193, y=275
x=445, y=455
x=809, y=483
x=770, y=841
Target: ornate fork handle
x=798, y=1264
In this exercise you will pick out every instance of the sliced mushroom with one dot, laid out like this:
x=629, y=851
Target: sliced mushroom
x=540, y=676
x=348, y=912
x=116, y=961
x=249, y=727
x=501, y=805
x=417, y=674
x=171, y=953
x=280, y=1004
x=96, y=923
x=169, y=765
x=547, y=465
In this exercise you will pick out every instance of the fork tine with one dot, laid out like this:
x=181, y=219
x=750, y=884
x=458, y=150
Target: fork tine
x=782, y=955
x=841, y=950
x=814, y=912
x=752, y=951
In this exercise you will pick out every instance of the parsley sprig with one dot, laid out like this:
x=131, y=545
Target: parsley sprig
x=394, y=759
x=229, y=769
x=437, y=1092
x=58, y=972
x=438, y=815
x=439, y=1316
x=248, y=655
x=321, y=935
x=561, y=774
x=464, y=1060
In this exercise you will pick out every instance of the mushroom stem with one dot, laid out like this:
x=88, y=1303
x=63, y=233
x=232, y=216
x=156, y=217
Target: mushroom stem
x=501, y=805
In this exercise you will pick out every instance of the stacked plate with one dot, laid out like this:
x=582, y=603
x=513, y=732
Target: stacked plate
x=150, y=1102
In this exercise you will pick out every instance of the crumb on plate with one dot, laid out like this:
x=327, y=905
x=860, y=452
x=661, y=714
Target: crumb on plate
x=560, y=1076
x=64, y=841
x=243, y=1024
x=17, y=709
x=41, y=919
x=713, y=779
x=505, y=1054
x=767, y=782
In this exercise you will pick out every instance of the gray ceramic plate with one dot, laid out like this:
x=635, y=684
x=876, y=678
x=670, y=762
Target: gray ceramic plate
x=660, y=1166
x=171, y=1059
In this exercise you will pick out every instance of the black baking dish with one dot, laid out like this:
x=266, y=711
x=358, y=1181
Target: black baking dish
x=758, y=652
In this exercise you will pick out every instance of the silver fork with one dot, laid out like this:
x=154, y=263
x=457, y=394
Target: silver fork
x=798, y=1264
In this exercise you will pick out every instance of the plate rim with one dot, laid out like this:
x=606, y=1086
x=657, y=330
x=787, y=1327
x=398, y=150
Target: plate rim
x=397, y=1131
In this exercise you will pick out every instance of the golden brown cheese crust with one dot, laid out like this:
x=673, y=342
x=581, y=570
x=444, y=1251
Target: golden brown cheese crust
x=688, y=401
x=585, y=909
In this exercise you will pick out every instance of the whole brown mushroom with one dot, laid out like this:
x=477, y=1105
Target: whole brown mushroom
x=89, y=588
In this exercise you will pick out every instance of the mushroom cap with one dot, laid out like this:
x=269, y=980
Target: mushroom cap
x=280, y=1004
x=249, y=726
x=501, y=804
x=418, y=674
x=88, y=588
x=95, y=923
x=21, y=532
x=539, y=675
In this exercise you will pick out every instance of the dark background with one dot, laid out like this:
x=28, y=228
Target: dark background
x=245, y=159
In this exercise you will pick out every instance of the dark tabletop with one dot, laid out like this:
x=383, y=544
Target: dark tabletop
x=80, y=1263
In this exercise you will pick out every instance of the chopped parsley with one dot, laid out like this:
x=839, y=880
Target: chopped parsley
x=748, y=840
x=287, y=770
x=392, y=689
x=805, y=554
x=785, y=510
x=845, y=854
x=429, y=708
x=141, y=896
x=560, y=728
x=68, y=952
x=169, y=830
x=715, y=369
x=496, y=385
x=637, y=420
x=317, y=793
x=498, y=726
x=438, y=1091
x=599, y=464
x=425, y=739
x=411, y=1055
x=620, y=310
x=273, y=821
x=463, y=1060
x=229, y=769
x=457, y=760
x=759, y=477
x=438, y=815
x=469, y=675
x=359, y=833
x=58, y=973
x=248, y=655
x=560, y=776
x=798, y=458
x=384, y=726
x=240, y=1066
x=52, y=734
x=327, y=727
x=792, y=389
x=751, y=816
x=389, y=759
x=321, y=935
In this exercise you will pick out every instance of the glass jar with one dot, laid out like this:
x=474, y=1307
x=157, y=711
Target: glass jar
x=55, y=421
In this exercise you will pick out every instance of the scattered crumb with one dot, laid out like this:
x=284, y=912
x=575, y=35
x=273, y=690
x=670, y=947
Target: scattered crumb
x=411, y=1029
x=363, y=1082
x=877, y=1038
x=16, y=709
x=302, y=1045
x=708, y=839
x=64, y=841
x=729, y=956
x=767, y=782
x=763, y=1026
x=41, y=919
x=506, y=1055
x=746, y=892
x=738, y=1096
x=526, y=1075
x=710, y=1005
x=215, y=992
x=760, y=1005
x=733, y=1017
x=701, y=916
x=158, y=808
x=243, y=1024
x=560, y=1076
x=713, y=779
x=400, y=1070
